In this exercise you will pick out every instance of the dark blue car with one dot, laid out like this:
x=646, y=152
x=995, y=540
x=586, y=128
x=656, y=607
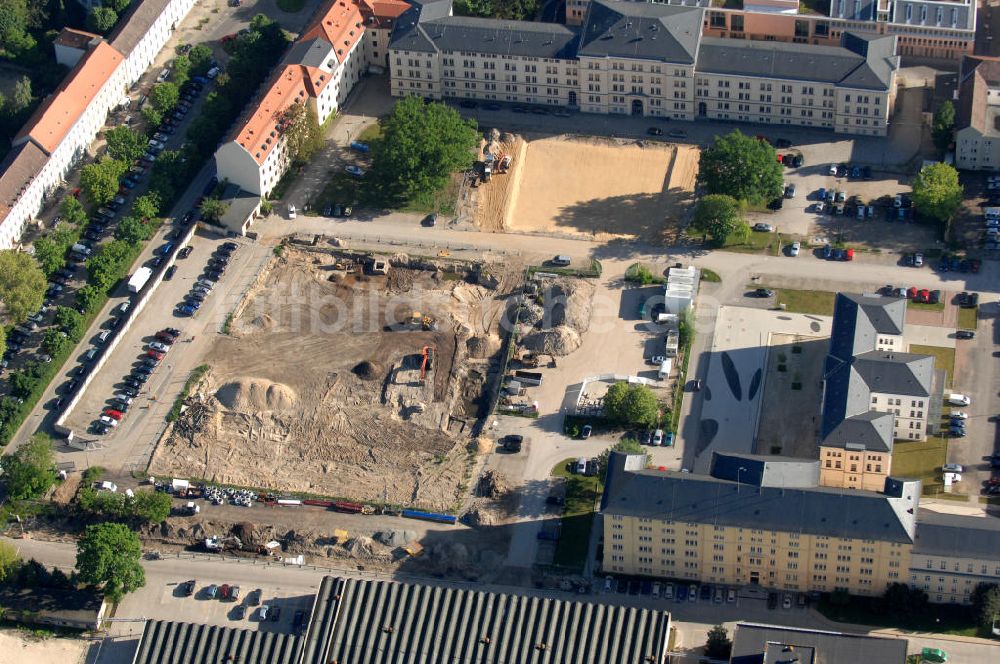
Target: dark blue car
x=165, y=249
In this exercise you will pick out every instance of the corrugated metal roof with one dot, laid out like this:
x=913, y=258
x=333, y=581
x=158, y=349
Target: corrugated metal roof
x=166, y=642
x=363, y=622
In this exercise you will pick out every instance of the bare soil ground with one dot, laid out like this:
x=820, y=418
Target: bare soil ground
x=319, y=386
x=596, y=188
x=17, y=647
x=495, y=198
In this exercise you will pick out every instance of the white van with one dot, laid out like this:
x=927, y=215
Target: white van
x=665, y=366
x=657, y=438
x=957, y=400
x=291, y=211
x=561, y=261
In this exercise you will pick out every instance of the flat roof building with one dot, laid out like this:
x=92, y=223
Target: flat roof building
x=773, y=644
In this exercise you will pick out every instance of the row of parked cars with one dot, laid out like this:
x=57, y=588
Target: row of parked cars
x=203, y=287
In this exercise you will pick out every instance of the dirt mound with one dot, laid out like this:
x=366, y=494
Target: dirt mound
x=561, y=340
x=255, y=394
x=361, y=547
x=368, y=370
x=262, y=322
x=480, y=515
x=482, y=347
x=394, y=538
x=492, y=484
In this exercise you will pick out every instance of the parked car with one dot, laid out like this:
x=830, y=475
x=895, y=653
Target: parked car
x=761, y=227
x=965, y=334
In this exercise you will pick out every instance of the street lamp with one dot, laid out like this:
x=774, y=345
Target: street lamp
x=738, y=471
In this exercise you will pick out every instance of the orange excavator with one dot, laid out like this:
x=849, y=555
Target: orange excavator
x=428, y=362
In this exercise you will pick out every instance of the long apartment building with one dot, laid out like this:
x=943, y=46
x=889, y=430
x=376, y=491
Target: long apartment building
x=934, y=29
x=762, y=520
x=977, y=116
x=327, y=60
x=55, y=138
x=646, y=60
x=874, y=392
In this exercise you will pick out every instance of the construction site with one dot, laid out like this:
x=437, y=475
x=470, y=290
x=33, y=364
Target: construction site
x=597, y=188
x=348, y=375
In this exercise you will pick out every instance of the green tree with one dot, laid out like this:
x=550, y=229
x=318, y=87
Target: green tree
x=101, y=19
x=100, y=180
x=72, y=210
x=147, y=206
x=9, y=561
x=30, y=470
x=133, y=230
x=125, y=144
x=303, y=135
x=88, y=297
x=152, y=506
x=109, y=264
x=181, y=70
x=717, y=644
x=15, y=20
x=22, y=384
x=631, y=405
x=200, y=57
x=21, y=98
x=22, y=284
x=54, y=341
x=71, y=322
x=986, y=604
x=903, y=602
x=151, y=116
x=164, y=96
x=50, y=251
x=719, y=215
x=108, y=556
x=742, y=167
x=421, y=146
x=212, y=209
x=937, y=193
x=119, y=5
x=944, y=125
x=518, y=10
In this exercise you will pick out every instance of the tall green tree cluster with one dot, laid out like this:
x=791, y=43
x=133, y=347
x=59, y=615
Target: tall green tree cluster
x=303, y=135
x=937, y=193
x=720, y=216
x=107, y=556
x=100, y=180
x=30, y=470
x=518, y=10
x=631, y=405
x=943, y=128
x=421, y=146
x=22, y=285
x=742, y=167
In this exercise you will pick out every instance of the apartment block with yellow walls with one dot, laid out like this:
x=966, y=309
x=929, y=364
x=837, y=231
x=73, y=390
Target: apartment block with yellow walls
x=753, y=523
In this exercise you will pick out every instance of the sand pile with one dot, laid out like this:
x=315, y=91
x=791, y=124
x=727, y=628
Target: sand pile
x=492, y=484
x=559, y=315
x=483, y=347
x=255, y=394
x=557, y=341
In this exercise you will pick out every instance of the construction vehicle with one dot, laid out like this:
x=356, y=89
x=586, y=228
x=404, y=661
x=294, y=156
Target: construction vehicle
x=528, y=359
x=190, y=509
x=427, y=364
x=503, y=163
x=220, y=543
x=488, y=167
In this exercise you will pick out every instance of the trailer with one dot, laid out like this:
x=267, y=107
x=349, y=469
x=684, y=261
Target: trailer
x=139, y=279
x=349, y=508
x=528, y=377
x=430, y=516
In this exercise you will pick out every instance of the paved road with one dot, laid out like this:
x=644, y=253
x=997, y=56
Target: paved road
x=294, y=585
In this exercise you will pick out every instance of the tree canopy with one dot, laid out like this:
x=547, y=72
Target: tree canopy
x=719, y=216
x=421, y=146
x=164, y=96
x=9, y=561
x=15, y=20
x=717, y=643
x=30, y=470
x=108, y=556
x=212, y=209
x=125, y=144
x=101, y=19
x=937, y=193
x=100, y=180
x=71, y=322
x=743, y=167
x=518, y=10
x=944, y=125
x=631, y=405
x=50, y=251
x=109, y=264
x=303, y=135
x=22, y=285
x=986, y=604
x=200, y=57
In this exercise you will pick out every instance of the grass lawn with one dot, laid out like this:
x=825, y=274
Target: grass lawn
x=815, y=302
x=944, y=358
x=968, y=318
x=925, y=306
x=941, y=619
x=921, y=459
x=754, y=243
x=344, y=188
x=578, y=515
x=710, y=275
x=370, y=134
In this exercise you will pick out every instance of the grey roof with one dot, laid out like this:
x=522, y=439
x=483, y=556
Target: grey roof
x=870, y=431
x=859, y=319
x=690, y=498
x=772, y=644
x=641, y=30
x=311, y=53
x=22, y=164
x=167, y=642
x=799, y=62
x=136, y=23
x=956, y=536
x=362, y=621
x=896, y=373
x=38, y=605
x=427, y=29
x=762, y=470
x=965, y=14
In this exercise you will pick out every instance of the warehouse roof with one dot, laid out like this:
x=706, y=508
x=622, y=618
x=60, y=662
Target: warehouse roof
x=956, y=536
x=166, y=642
x=640, y=30
x=361, y=621
x=765, y=470
x=797, y=62
x=771, y=644
x=824, y=511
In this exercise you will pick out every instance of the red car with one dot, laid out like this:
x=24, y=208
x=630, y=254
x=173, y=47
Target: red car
x=912, y=293
x=224, y=591
x=155, y=354
x=923, y=295
x=849, y=255
x=113, y=414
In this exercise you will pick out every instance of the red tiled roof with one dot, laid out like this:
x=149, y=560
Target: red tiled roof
x=341, y=24
x=383, y=13
x=75, y=38
x=259, y=134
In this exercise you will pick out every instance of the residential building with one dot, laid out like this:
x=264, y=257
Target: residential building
x=319, y=71
x=705, y=529
x=977, y=115
x=54, y=607
x=358, y=621
x=771, y=644
x=926, y=28
x=57, y=135
x=765, y=470
x=649, y=60
x=874, y=392
x=953, y=554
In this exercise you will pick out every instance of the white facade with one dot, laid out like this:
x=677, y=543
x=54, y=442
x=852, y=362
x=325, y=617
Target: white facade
x=165, y=16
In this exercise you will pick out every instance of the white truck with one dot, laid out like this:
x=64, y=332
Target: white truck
x=139, y=279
